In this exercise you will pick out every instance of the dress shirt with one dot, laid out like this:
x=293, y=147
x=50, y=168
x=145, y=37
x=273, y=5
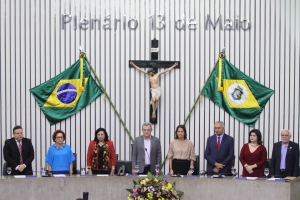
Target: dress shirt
x=283, y=155
x=147, y=145
x=221, y=137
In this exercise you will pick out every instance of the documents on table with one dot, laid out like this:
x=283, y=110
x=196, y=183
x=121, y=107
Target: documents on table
x=20, y=176
x=251, y=178
x=59, y=175
x=143, y=175
x=273, y=179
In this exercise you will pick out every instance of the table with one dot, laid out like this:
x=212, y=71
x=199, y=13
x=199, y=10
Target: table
x=113, y=188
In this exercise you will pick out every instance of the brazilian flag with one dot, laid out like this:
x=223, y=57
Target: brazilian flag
x=67, y=93
x=238, y=94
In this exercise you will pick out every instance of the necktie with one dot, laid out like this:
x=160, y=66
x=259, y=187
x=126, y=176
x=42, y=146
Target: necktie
x=219, y=144
x=20, y=151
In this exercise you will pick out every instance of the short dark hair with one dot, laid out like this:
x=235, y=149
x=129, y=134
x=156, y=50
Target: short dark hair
x=57, y=132
x=105, y=133
x=258, y=134
x=184, y=130
x=17, y=127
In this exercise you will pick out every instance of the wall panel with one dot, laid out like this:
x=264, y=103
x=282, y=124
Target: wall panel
x=35, y=48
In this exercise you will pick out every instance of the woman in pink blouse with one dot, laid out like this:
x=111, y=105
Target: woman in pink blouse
x=181, y=153
x=253, y=155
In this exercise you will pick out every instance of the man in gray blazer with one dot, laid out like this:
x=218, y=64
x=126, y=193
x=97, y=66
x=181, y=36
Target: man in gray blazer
x=146, y=151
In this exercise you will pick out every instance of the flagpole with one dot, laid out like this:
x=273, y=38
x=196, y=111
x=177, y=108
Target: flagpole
x=221, y=55
x=82, y=54
x=199, y=96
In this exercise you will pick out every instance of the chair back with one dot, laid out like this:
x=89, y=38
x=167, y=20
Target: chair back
x=233, y=161
x=267, y=163
x=75, y=164
x=5, y=169
x=196, y=165
x=127, y=164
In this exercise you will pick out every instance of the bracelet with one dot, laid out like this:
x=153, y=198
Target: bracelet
x=88, y=168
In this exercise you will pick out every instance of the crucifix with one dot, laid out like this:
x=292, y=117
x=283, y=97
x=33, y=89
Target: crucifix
x=152, y=72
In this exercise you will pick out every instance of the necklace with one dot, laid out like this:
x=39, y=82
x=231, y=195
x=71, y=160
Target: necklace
x=253, y=145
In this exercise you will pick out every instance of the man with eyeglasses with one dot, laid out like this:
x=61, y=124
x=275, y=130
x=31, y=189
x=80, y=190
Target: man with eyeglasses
x=285, y=157
x=18, y=153
x=146, y=152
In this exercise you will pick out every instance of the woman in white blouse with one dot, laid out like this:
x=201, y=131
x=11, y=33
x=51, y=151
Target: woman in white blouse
x=181, y=153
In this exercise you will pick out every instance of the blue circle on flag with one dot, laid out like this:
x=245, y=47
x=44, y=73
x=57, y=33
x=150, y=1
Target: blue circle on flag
x=67, y=93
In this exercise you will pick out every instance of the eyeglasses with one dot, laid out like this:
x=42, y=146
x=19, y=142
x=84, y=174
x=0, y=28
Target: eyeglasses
x=59, y=137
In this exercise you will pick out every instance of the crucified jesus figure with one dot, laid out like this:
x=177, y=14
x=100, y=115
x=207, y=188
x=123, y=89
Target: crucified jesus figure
x=154, y=85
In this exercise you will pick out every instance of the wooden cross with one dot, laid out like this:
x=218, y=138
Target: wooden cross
x=154, y=64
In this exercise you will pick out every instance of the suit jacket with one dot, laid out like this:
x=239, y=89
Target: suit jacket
x=291, y=160
x=12, y=155
x=138, y=153
x=111, y=154
x=224, y=155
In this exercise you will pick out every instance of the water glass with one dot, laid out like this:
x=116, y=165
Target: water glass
x=233, y=170
x=43, y=171
x=136, y=168
x=157, y=168
x=8, y=170
x=266, y=172
x=192, y=169
x=82, y=171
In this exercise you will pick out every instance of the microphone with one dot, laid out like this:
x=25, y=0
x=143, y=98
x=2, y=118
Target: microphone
x=147, y=153
x=202, y=172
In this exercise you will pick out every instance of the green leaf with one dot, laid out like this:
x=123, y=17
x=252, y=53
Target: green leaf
x=149, y=175
x=174, y=185
x=180, y=193
x=160, y=177
x=135, y=183
x=130, y=190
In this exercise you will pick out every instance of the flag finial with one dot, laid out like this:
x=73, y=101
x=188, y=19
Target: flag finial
x=222, y=54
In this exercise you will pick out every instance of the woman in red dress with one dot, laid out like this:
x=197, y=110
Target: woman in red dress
x=253, y=155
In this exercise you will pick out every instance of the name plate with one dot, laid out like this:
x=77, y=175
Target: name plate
x=154, y=50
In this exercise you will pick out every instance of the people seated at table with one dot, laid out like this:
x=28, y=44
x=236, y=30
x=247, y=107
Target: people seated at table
x=101, y=153
x=253, y=155
x=59, y=157
x=181, y=153
x=219, y=151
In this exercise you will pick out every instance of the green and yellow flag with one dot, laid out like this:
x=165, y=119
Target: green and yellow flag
x=238, y=94
x=67, y=93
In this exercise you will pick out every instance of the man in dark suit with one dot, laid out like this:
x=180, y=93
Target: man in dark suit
x=285, y=157
x=146, y=151
x=18, y=153
x=219, y=151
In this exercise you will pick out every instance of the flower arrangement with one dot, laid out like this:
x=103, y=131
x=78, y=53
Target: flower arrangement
x=153, y=188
